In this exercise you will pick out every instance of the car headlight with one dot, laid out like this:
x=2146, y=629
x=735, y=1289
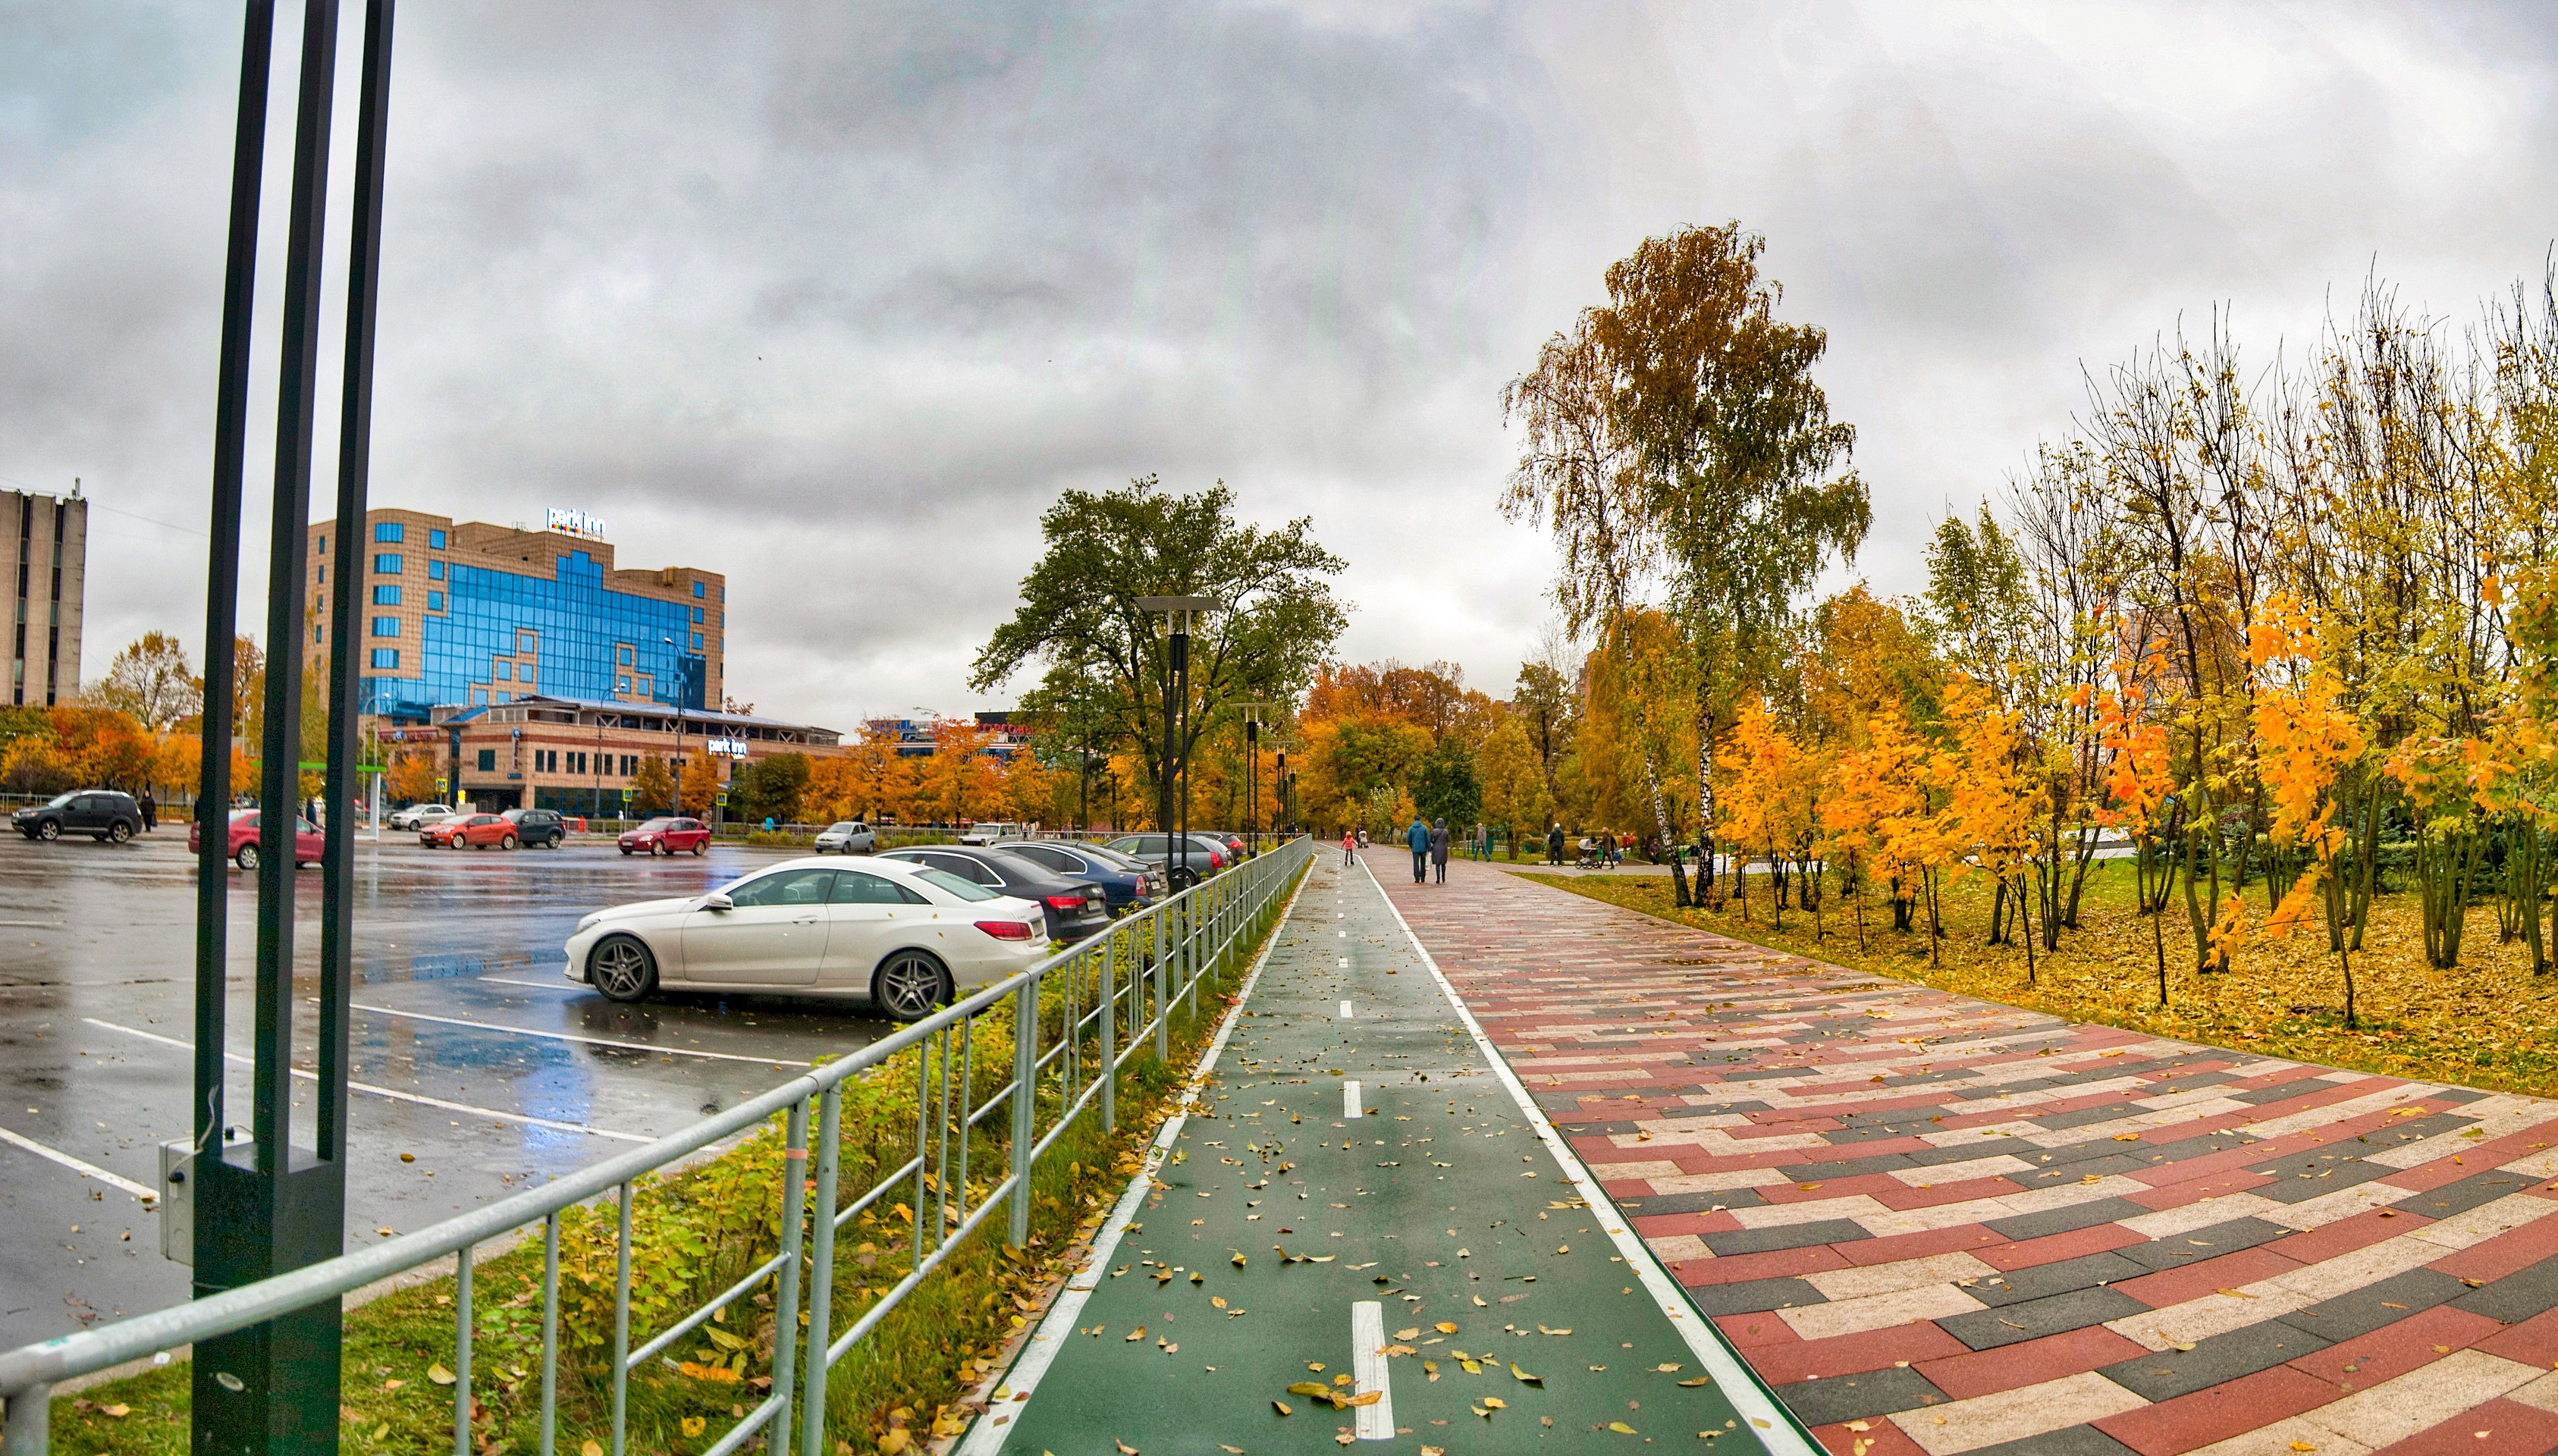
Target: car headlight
x=589, y=923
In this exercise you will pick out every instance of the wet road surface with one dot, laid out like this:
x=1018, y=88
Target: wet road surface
x=471, y=1051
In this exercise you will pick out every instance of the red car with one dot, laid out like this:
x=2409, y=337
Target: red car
x=667, y=836
x=307, y=845
x=468, y=831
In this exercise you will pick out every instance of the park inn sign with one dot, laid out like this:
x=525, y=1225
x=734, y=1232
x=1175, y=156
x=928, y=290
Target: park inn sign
x=573, y=522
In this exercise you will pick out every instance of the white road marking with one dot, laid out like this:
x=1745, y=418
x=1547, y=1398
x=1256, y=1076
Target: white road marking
x=1346, y=963
x=557, y=985
x=562, y=1035
x=85, y=1170
x=1350, y=1100
x=1368, y=1372
x=1345, y=1011
x=391, y=1093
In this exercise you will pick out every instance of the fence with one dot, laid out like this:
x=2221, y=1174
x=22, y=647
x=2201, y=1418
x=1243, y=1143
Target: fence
x=1075, y=1019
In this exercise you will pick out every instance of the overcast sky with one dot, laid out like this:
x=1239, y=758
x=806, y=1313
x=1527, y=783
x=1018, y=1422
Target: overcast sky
x=836, y=298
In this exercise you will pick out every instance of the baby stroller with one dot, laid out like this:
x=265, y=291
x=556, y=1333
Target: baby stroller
x=1594, y=856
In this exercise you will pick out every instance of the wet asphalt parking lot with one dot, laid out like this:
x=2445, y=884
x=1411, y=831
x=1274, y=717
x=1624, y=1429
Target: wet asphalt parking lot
x=472, y=1052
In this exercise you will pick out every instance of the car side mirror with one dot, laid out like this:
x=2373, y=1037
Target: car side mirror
x=717, y=901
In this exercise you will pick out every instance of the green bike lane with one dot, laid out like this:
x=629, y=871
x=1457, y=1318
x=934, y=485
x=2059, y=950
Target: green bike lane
x=1360, y=1205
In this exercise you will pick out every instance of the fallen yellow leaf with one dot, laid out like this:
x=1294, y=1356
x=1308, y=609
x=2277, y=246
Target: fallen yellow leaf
x=439, y=1374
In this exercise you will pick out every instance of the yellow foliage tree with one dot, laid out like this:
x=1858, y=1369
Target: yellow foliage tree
x=2304, y=740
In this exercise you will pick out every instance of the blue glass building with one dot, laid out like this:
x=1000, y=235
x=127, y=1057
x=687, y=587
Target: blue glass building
x=473, y=615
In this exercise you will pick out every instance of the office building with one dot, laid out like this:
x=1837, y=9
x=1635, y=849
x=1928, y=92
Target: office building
x=468, y=615
x=43, y=560
x=542, y=751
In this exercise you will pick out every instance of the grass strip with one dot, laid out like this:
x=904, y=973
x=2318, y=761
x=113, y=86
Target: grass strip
x=700, y=1230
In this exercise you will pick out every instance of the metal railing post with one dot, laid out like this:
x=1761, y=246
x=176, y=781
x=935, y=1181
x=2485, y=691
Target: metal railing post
x=1025, y=1068
x=1109, y=999
x=622, y=1326
x=550, y=1332
x=1163, y=987
x=786, y=1303
x=461, y=1351
x=821, y=1276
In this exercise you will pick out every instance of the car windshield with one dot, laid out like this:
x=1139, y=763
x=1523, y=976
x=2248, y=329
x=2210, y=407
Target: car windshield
x=61, y=799
x=843, y=829
x=657, y=824
x=964, y=889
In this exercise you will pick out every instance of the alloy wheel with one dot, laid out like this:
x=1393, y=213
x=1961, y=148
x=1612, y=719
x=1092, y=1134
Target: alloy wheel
x=909, y=986
x=621, y=969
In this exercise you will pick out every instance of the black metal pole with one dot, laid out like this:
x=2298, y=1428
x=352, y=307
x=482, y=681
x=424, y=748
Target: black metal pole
x=355, y=453
x=1251, y=789
x=1178, y=747
x=222, y=587
x=1164, y=779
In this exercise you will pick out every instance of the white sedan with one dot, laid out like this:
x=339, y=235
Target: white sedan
x=908, y=937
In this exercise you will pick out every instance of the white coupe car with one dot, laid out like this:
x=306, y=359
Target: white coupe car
x=908, y=937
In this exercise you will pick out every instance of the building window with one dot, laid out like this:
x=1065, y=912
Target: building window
x=488, y=760
x=386, y=659
x=697, y=616
x=622, y=684
x=625, y=657
x=318, y=632
x=434, y=539
x=435, y=571
x=435, y=601
x=323, y=543
x=630, y=764
x=324, y=574
x=527, y=644
x=388, y=564
x=524, y=674
x=389, y=533
x=505, y=672
x=385, y=627
x=697, y=642
x=698, y=589
x=386, y=596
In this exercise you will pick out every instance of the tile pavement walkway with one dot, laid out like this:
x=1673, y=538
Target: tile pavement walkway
x=1939, y=1225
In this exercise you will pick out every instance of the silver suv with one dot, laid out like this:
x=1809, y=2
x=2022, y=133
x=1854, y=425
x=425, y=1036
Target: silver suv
x=418, y=815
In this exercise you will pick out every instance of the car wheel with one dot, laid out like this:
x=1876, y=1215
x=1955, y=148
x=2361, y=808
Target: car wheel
x=247, y=858
x=662, y=847
x=458, y=842
x=909, y=986
x=1183, y=879
x=700, y=846
x=49, y=829
x=505, y=841
x=622, y=969
x=118, y=833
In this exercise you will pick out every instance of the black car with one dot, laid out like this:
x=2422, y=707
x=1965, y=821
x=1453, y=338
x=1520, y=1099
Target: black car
x=1128, y=883
x=537, y=829
x=106, y=815
x=1075, y=906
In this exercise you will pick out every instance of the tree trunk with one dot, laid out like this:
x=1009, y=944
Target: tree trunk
x=1704, y=801
x=1662, y=817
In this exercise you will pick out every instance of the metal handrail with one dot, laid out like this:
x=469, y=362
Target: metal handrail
x=1199, y=930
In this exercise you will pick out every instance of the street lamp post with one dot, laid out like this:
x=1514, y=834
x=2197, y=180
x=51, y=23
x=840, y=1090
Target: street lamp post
x=1177, y=612
x=264, y=1207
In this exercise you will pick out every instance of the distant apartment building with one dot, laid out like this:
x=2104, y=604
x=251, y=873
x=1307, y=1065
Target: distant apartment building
x=43, y=560
x=468, y=615
x=915, y=738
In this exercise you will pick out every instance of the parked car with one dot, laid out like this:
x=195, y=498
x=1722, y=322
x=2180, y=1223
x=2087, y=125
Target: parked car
x=468, y=831
x=1077, y=906
x=243, y=847
x=989, y=831
x=667, y=835
x=852, y=837
x=417, y=815
x=1206, y=856
x=538, y=828
x=106, y=815
x=906, y=937
x=1129, y=884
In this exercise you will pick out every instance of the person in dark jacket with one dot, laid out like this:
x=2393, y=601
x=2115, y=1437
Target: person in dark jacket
x=1554, y=842
x=150, y=811
x=1418, y=837
x=1439, y=850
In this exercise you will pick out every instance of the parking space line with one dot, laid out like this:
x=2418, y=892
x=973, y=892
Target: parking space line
x=560, y=985
x=85, y=1170
x=563, y=1036
x=393, y=1094
x=1350, y=1100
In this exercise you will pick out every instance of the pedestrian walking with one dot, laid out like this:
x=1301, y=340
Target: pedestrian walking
x=1418, y=837
x=1554, y=843
x=150, y=811
x=1439, y=850
x=1350, y=842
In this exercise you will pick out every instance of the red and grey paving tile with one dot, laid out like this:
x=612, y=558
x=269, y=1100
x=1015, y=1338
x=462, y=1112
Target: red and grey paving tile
x=1942, y=1225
